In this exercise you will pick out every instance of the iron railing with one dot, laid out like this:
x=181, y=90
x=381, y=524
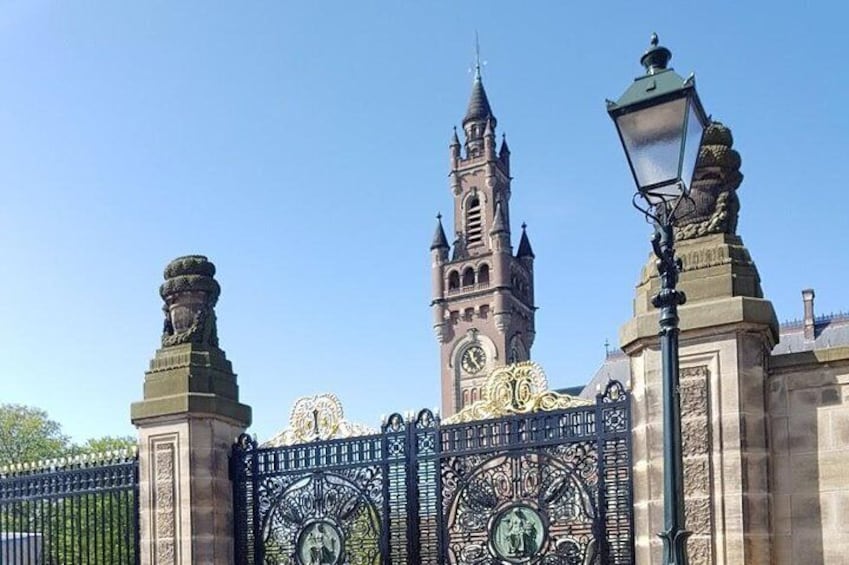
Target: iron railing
x=75, y=511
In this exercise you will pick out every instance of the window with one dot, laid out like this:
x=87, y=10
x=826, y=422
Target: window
x=483, y=275
x=468, y=277
x=453, y=280
x=474, y=222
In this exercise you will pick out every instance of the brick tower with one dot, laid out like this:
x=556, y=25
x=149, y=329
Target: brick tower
x=483, y=294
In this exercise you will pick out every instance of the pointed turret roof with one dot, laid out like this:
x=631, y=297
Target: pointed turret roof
x=525, y=245
x=504, y=149
x=439, y=239
x=454, y=139
x=500, y=224
x=479, y=108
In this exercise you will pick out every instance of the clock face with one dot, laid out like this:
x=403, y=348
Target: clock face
x=473, y=360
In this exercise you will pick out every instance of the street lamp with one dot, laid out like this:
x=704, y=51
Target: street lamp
x=660, y=121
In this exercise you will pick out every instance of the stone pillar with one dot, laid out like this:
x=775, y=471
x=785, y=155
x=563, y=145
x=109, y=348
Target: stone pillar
x=727, y=332
x=187, y=423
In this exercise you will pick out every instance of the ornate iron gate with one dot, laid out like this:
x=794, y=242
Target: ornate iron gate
x=540, y=484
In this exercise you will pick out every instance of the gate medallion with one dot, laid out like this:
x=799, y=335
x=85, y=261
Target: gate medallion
x=320, y=543
x=517, y=534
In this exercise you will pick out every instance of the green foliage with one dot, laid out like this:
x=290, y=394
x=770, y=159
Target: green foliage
x=28, y=434
x=103, y=444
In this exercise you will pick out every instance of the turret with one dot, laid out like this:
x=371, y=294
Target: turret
x=454, y=149
x=504, y=153
x=489, y=140
x=525, y=253
x=439, y=256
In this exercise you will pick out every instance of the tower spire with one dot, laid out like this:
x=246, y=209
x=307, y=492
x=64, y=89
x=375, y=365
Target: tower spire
x=479, y=108
x=477, y=57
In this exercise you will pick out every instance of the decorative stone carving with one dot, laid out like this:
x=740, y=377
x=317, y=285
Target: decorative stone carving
x=164, y=497
x=314, y=418
x=520, y=388
x=714, y=189
x=695, y=436
x=190, y=292
x=696, y=451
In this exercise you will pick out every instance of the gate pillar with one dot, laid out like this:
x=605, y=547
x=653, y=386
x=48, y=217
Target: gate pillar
x=727, y=332
x=187, y=422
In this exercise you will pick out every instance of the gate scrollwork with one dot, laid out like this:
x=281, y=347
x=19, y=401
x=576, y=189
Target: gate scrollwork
x=527, y=477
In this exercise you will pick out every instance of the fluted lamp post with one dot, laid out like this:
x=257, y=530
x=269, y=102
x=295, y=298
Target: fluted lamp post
x=660, y=121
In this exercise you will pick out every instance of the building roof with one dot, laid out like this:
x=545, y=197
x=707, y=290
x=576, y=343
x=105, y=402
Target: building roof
x=616, y=366
x=831, y=330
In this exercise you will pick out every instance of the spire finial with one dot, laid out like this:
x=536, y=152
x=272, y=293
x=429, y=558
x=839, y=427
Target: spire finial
x=477, y=57
x=524, y=226
x=439, y=217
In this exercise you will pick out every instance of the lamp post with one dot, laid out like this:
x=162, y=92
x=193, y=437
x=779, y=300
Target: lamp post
x=660, y=121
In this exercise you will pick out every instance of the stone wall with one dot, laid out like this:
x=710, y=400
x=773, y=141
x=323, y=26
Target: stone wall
x=808, y=406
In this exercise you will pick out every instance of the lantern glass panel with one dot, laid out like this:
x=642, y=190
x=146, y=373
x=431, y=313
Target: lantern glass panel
x=692, y=143
x=652, y=137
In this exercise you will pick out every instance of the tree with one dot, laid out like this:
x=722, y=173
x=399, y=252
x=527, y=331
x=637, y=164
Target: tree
x=27, y=434
x=103, y=444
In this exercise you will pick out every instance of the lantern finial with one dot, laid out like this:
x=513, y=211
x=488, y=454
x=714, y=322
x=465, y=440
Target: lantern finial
x=656, y=56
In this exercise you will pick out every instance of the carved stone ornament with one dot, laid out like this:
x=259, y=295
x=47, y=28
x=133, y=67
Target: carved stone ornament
x=520, y=388
x=315, y=418
x=190, y=292
x=714, y=190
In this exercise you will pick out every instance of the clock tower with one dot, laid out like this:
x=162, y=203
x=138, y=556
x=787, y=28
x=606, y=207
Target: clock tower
x=483, y=293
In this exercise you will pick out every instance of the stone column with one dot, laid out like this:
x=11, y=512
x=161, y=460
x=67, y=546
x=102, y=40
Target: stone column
x=187, y=423
x=727, y=332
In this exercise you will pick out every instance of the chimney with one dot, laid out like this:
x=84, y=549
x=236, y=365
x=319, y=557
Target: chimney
x=808, y=299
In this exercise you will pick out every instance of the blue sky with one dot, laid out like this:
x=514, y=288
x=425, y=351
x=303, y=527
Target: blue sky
x=303, y=148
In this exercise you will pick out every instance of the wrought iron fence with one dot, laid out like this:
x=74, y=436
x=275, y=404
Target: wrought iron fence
x=79, y=511
x=549, y=488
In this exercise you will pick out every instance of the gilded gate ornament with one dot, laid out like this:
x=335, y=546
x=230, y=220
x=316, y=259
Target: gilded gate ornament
x=315, y=418
x=521, y=388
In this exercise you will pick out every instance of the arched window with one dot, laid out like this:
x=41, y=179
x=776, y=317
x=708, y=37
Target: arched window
x=474, y=222
x=468, y=277
x=474, y=395
x=466, y=397
x=483, y=275
x=453, y=280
